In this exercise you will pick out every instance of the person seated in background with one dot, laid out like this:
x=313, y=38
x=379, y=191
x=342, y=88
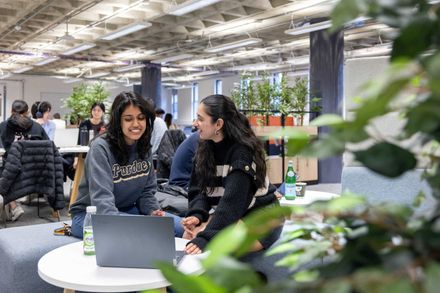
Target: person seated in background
x=18, y=126
x=158, y=130
x=182, y=164
x=41, y=114
x=169, y=121
x=118, y=174
x=229, y=175
x=59, y=123
x=96, y=120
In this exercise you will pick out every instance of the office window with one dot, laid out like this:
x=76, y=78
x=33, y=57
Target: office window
x=194, y=99
x=218, y=84
x=174, y=103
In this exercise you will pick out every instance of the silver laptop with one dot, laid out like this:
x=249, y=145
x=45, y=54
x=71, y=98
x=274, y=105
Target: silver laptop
x=134, y=241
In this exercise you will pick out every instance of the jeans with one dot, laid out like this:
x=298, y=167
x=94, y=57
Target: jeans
x=78, y=222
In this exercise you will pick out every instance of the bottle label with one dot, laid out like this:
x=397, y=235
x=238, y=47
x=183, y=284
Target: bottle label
x=290, y=191
x=290, y=173
x=88, y=242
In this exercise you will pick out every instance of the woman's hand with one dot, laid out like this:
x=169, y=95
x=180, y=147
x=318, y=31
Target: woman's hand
x=192, y=249
x=158, y=213
x=189, y=224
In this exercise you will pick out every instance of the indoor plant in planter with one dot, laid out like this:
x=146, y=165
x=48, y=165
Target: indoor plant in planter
x=286, y=102
x=82, y=99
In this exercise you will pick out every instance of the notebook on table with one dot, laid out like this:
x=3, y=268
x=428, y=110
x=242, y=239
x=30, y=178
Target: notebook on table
x=134, y=241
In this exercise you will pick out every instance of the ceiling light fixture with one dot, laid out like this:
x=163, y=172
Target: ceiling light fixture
x=203, y=73
x=233, y=45
x=82, y=47
x=46, y=61
x=129, y=67
x=173, y=58
x=128, y=29
x=190, y=6
x=309, y=28
x=72, y=80
x=22, y=69
x=97, y=75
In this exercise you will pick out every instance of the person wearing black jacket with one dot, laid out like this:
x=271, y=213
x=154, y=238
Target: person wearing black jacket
x=229, y=175
x=18, y=126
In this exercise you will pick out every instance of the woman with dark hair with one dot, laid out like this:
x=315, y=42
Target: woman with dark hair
x=229, y=175
x=119, y=176
x=169, y=121
x=96, y=120
x=19, y=126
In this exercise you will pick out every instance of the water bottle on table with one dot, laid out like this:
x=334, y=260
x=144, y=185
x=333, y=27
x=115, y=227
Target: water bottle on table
x=88, y=241
x=290, y=183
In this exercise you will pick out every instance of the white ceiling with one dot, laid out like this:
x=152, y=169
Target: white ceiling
x=34, y=30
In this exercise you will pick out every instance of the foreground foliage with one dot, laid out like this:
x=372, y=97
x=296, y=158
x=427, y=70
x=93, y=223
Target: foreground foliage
x=365, y=249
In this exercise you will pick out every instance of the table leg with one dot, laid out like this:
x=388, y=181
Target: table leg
x=76, y=180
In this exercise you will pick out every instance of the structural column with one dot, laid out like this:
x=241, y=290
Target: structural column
x=151, y=83
x=326, y=82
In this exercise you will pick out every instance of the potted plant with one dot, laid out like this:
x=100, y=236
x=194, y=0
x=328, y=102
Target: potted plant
x=82, y=99
x=286, y=105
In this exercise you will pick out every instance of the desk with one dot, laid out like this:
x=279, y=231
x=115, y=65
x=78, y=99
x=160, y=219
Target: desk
x=310, y=197
x=80, y=150
x=68, y=267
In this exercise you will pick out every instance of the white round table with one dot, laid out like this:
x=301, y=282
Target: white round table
x=309, y=197
x=67, y=267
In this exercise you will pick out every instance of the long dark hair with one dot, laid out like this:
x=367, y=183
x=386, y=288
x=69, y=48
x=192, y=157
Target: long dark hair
x=236, y=129
x=114, y=134
x=168, y=119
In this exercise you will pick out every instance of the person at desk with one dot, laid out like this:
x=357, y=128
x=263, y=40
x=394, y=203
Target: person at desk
x=41, y=112
x=96, y=120
x=229, y=175
x=18, y=126
x=118, y=175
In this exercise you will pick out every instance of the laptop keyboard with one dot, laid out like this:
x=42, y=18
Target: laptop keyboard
x=179, y=256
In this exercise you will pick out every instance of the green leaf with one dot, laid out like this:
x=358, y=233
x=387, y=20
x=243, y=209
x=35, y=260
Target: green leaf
x=387, y=159
x=432, y=281
x=297, y=140
x=433, y=68
x=415, y=38
x=226, y=242
x=345, y=11
x=306, y=276
x=182, y=283
x=418, y=200
x=344, y=203
x=324, y=147
x=336, y=286
x=328, y=120
x=233, y=275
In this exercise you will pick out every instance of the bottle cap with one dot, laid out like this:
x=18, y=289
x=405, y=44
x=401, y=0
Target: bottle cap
x=91, y=209
x=290, y=162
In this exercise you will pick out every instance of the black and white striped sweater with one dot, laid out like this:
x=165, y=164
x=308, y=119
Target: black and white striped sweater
x=235, y=194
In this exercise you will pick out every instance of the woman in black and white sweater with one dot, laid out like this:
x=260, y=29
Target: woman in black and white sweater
x=229, y=175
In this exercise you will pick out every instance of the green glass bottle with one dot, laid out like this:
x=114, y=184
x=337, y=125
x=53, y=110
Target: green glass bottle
x=290, y=182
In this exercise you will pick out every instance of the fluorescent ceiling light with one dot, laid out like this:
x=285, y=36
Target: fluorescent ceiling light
x=98, y=74
x=170, y=84
x=22, y=69
x=72, y=80
x=309, y=28
x=173, y=58
x=129, y=67
x=302, y=60
x=379, y=50
x=258, y=67
x=168, y=78
x=133, y=53
x=203, y=73
x=82, y=47
x=46, y=61
x=5, y=75
x=233, y=45
x=298, y=73
x=128, y=29
x=189, y=6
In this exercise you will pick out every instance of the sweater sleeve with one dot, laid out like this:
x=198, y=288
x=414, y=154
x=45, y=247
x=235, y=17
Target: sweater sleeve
x=233, y=205
x=198, y=204
x=98, y=171
x=147, y=202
